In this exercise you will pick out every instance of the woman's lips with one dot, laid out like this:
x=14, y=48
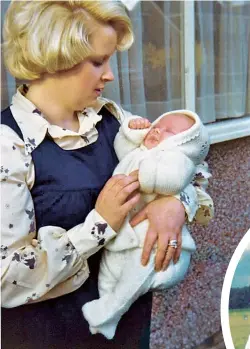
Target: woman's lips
x=98, y=91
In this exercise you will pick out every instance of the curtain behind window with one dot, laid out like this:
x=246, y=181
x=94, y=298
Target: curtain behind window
x=151, y=73
x=148, y=77
x=223, y=51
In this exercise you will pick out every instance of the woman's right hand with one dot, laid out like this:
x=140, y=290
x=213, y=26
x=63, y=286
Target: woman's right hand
x=117, y=198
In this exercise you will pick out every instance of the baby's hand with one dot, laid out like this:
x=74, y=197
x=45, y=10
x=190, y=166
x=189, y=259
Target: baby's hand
x=139, y=123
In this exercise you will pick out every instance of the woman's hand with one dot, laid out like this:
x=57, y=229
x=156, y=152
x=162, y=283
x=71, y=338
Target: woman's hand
x=117, y=198
x=166, y=217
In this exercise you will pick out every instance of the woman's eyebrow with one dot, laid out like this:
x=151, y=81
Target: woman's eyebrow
x=100, y=57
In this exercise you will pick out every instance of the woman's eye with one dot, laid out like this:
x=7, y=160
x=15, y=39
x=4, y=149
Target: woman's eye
x=97, y=63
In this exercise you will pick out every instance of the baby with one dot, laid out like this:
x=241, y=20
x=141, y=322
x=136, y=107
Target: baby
x=166, y=154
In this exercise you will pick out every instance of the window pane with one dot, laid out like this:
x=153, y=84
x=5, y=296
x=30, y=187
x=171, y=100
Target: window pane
x=149, y=78
x=222, y=59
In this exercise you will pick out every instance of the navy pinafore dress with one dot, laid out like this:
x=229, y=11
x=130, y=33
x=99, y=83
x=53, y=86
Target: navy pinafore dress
x=67, y=184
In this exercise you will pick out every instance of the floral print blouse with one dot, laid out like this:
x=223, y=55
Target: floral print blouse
x=38, y=265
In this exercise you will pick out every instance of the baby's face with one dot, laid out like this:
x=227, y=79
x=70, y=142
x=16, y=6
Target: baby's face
x=167, y=126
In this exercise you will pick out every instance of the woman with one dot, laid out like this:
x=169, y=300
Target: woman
x=57, y=156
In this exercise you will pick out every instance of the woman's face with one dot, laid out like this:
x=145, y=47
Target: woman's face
x=80, y=86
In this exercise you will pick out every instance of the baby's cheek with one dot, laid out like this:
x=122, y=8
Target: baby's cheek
x=150, y=142
x=166, y=135
x=151, y=133
x=146, y=139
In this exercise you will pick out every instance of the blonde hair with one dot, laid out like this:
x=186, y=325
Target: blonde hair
x=49, y=36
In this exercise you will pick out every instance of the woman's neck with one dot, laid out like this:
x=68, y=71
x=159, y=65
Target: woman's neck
x=53, y=107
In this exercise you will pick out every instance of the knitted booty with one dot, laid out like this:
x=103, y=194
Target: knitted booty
x=96, y=313
x=107, y=330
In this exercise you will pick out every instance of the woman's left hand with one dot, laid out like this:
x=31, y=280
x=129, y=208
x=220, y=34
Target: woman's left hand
x=166, y=217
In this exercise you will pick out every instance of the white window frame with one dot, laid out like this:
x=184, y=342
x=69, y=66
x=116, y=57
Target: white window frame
x=219, y=131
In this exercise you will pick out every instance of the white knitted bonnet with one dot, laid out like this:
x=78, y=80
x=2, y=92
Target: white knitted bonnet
x=171, y=172
x=194, y=142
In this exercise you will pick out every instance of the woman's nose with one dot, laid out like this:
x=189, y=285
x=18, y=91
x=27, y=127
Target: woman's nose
x=108, y=74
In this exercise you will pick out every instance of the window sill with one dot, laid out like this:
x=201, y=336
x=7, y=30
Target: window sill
x=227, y=130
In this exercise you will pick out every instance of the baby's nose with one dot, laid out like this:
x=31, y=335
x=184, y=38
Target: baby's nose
x=157, y=130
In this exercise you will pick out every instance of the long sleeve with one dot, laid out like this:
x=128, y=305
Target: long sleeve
x=205, y=211
x=39, y=264
x=198, y=204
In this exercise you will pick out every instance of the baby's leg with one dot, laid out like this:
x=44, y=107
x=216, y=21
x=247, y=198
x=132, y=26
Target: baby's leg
x=110, y=270
x=174, y=274
x=104, y=314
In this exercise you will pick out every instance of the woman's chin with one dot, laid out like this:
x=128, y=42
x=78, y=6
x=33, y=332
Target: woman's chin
x=92, y=102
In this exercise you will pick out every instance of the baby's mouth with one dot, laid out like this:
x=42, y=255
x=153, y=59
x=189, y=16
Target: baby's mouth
x=155, y=134
x=154, y=137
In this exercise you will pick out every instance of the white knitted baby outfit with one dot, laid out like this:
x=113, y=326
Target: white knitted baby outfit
x=166, y=169
x=170, y=166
